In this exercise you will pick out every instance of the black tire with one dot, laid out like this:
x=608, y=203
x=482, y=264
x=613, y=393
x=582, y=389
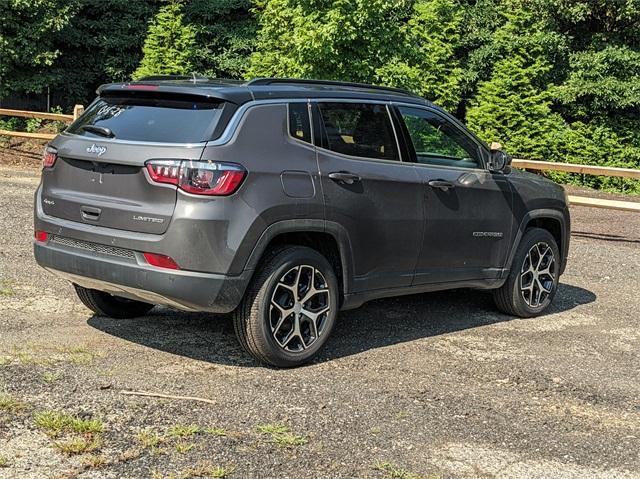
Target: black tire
x=510, y=298
x=105, y=304
x=253, y=319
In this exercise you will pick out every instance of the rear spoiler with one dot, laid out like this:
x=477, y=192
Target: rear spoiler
x=202, y=90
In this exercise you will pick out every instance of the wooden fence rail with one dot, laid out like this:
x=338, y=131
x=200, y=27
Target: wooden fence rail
x=573, y=168
x=77, y=111
x=587, y=170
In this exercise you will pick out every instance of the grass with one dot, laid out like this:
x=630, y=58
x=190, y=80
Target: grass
x=282, y=436
x=184, y=447
x=394, y=472
x=78, y=445
x=8, y=404
x=201, y=470
x=56, y=423
x=4, y=462
x=216, y=431
x=289, y=440
x=6, y=288
x=149, y=438
x=93, y=461
x=180, y=431
x=50, y=377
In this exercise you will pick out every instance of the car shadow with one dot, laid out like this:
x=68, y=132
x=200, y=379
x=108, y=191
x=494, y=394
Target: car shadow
x=380, y=323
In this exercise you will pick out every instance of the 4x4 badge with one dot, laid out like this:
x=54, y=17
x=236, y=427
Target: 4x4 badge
x=96, y=150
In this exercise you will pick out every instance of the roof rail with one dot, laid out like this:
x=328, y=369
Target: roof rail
x=301, y=81
x=192, y=77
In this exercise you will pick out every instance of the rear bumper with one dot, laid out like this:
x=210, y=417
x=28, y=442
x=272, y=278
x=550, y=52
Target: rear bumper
x=133, y=278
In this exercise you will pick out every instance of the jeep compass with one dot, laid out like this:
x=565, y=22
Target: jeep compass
x=285, y=201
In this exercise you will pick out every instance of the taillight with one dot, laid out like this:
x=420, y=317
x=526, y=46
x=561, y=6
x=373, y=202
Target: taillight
x=140, y=87
x=198, y=177
x=160, y=260
x=49, y=157
x=41, y=236
x=164, y=171
x=210, y=178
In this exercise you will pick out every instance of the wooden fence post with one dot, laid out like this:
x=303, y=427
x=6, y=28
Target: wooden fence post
x=77, y=111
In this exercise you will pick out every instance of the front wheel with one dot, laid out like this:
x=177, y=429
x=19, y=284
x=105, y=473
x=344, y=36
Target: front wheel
x=533, y=280
x=290, y=307
x=106, y=304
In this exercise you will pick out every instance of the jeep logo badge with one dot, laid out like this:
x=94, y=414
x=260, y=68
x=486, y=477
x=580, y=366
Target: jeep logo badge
x=96, y=150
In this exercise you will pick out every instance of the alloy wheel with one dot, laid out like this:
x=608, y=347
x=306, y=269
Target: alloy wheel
x=299, y=308
x=538, y=275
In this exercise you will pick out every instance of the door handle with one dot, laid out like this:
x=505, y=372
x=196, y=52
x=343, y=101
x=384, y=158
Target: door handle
x=89, y=213
x=441, y=184
x=344, y=177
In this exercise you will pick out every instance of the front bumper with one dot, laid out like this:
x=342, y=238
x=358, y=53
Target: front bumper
x=135, y=279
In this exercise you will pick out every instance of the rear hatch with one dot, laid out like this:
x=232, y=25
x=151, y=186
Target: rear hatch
x=99, y=176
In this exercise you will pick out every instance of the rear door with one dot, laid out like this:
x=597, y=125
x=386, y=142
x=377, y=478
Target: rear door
x=99, y=177
x=468, y=209
x=368, y=190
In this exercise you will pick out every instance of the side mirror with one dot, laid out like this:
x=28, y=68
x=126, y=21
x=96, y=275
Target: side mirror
x=499, y=160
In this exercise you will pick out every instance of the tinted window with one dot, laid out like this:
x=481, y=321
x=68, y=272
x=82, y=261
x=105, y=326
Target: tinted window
x=299, y=125
x=151, y=119
x=358, y=130
x=437, y=141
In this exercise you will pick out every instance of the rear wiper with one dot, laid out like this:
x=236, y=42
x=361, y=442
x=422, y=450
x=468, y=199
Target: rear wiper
x=98, y=130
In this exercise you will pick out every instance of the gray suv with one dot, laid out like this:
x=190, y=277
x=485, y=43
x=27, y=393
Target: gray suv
x=285, y=201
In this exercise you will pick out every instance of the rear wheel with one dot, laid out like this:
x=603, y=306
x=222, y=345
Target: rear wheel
x=290, y=307
x=106, y=304
x=533, y=280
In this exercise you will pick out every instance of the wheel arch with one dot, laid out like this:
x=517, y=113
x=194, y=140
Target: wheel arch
x=328, y=238
x=554, y=222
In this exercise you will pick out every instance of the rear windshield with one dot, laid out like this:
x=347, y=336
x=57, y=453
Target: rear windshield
x=151, y=119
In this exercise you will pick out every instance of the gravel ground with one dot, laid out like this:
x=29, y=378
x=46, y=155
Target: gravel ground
x=433, y=386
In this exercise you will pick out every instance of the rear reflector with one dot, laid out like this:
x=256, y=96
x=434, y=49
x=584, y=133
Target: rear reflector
x=49, y=157
x=41, y=236
x=160, y=260
x=198, y=177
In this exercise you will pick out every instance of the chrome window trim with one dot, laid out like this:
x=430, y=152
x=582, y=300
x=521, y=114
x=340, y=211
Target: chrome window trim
x=201, y=144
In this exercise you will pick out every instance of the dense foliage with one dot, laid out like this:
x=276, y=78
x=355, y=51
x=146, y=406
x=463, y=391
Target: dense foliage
x=549, y=79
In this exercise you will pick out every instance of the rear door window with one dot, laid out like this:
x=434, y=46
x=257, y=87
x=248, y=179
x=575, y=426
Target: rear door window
x=358, y=129
x=161, y=120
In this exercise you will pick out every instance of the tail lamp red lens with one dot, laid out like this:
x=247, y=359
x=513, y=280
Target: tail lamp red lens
x=41, y=236
x=198, y=177
x=49, y=157
x=160, y=260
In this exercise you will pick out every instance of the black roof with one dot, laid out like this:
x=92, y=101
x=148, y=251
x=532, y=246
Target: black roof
x=239, y=92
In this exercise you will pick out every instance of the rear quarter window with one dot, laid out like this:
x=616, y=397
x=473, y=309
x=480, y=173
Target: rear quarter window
x=158, y=120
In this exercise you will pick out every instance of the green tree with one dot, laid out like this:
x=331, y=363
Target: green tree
x=401, y=43
x=225, y=35
x=102, y=43
x=509, y=109
x=27, y=43
x=169, y=48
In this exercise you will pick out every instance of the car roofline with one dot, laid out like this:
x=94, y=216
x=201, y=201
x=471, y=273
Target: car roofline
x=239, y=92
